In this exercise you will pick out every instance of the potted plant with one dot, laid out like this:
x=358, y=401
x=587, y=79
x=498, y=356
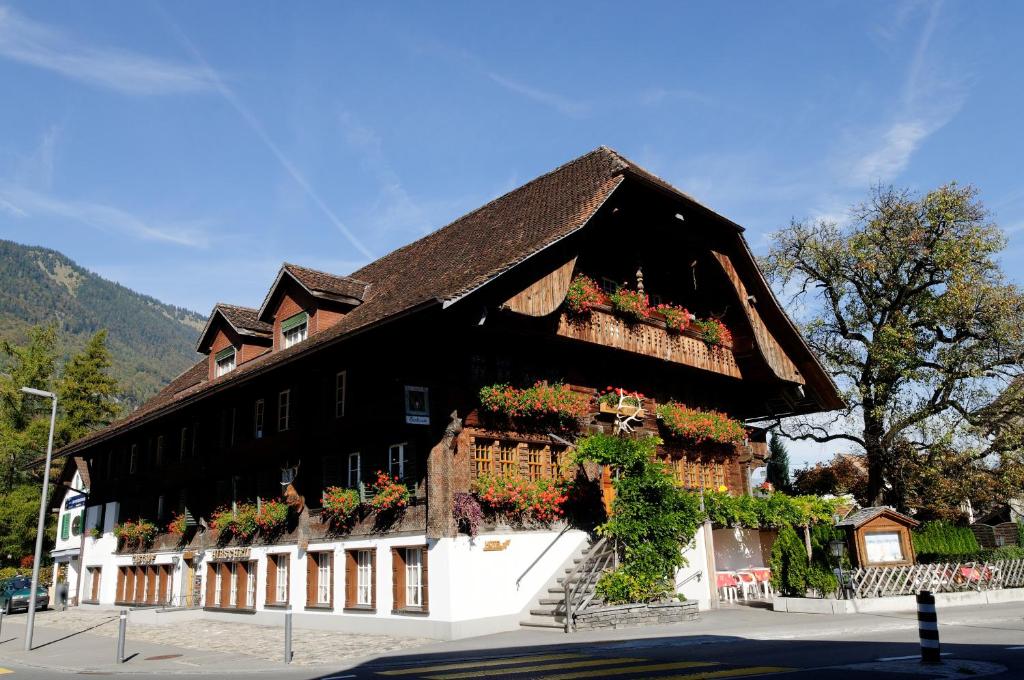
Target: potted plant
x=698, y=425
x=618, y=400
x=389, y=494
x=338, y=505
x=582, y=295
x=542, y=401
x=713, y=332
x=631, y=304
x=677, y=319
x=177, y=526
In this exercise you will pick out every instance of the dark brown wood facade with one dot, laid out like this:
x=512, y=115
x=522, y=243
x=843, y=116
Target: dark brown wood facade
x=230, y=440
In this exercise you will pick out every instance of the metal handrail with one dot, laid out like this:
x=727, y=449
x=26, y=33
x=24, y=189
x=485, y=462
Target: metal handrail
x=542, y=553
x=696, y=575
x=580, y=580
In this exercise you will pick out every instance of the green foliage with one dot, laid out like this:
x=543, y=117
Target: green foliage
x=910, y=310
x=697, y=425
x=778, y=464
x=19, y=512
x=652, y=518
x=87, y=393
x=789, y=564
x=774, y=510
x=940, y=538
x=150, y=342
x=1020, y=533
x=822, y=580
x=1006, y=552
x=631, y=304
x=25, y=419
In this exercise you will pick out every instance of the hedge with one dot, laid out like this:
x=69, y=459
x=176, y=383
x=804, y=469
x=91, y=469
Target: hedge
x=943, y=539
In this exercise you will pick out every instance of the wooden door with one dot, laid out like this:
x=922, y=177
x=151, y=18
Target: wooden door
x=607, y=489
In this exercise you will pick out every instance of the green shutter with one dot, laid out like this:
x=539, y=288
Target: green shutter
x=294, y=321
x=225, y=353
x=65, y=527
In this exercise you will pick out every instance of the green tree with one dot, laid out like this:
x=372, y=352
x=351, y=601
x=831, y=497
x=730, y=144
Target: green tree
x=87, y=391
x=789, y=563
x=778, y=464
x=19, y=512
x=909, y=310
x=24, y=420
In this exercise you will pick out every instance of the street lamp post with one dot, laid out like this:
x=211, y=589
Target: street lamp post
x=42, y=515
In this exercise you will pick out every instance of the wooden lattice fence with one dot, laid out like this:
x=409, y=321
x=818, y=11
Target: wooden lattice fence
x=938, y=578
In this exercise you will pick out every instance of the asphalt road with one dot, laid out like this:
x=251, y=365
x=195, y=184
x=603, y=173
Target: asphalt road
x=819, y=650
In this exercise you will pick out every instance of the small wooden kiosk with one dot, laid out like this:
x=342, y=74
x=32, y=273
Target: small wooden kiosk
x=879, y=537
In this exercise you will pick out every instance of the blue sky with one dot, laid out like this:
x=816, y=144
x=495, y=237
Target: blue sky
x=186, y=149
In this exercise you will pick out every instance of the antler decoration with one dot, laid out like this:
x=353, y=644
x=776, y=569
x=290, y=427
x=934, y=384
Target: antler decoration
x=629, y=413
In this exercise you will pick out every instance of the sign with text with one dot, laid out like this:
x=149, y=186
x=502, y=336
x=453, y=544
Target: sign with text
x=74, y=502
x=146, y=558
x=231, y=554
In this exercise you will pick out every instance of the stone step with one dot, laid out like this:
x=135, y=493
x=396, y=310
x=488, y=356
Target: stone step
x=554, y=625
x=551, y=600
x=548, y=613
x=557, y=589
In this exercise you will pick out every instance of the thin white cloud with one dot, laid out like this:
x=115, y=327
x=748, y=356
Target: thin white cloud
x=24, y=202
x=254, y=124
x=42, y=46
x=12, y=209
x=659, y=95
x=929, y=100
x=561, y=104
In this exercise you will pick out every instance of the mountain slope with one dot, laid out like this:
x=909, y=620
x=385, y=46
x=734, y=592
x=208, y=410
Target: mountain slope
x=150, y=342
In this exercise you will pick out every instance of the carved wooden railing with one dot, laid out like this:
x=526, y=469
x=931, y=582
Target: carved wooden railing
x=580, y=582
x=650, y=338
x=948, y=577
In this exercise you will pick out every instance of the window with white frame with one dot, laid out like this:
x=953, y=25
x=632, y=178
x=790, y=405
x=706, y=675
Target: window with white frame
x=281, y=579
x=413, y=577
x=364, y=578
x=294, y=329
x=340, y=386
x=250, y=585
x=169, y=583
x=284, y=400
x=233, y=593
x=225, y=361
x=323, y=578
x=355, y=471
x=396, y=460
x=257, y=418
x=217, y=584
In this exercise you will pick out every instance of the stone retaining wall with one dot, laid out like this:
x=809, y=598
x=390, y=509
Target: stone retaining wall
x=633, y=615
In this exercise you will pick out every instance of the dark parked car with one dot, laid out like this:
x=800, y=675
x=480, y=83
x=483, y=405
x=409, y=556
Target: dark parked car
x=14, y=594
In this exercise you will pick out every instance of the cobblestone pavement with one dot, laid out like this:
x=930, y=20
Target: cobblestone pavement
x=264, y=642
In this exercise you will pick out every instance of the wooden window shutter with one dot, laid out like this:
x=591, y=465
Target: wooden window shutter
x=310, y=579
x=210, y=577
x=425, y=577
x=398, y=578
x=225, y=584
x=119, y=596
x=272, y=578
x=373, y=578
x=243, y=585
x=350, y=578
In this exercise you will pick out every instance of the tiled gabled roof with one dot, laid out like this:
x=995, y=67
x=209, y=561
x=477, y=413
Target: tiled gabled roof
x=244, y=318
x=333, y=284
x=439, y=268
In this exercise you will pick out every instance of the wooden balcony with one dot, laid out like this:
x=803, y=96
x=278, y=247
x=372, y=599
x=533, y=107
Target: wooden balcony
x=650, y=338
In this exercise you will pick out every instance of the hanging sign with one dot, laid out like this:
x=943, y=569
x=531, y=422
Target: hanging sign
x=76, y=501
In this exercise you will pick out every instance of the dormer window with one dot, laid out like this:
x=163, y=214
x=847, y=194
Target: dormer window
x=294, y=329
x=225, y=361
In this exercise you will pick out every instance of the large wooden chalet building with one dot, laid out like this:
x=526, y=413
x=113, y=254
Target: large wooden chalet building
x=335, y=378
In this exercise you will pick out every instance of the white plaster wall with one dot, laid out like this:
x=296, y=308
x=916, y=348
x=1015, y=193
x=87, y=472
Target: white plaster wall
x=738, y=549
x=694, y=580
x=470, y=583
x=472, y=592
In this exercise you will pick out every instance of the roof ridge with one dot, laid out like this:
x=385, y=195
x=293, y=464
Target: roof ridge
x=592, y=152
